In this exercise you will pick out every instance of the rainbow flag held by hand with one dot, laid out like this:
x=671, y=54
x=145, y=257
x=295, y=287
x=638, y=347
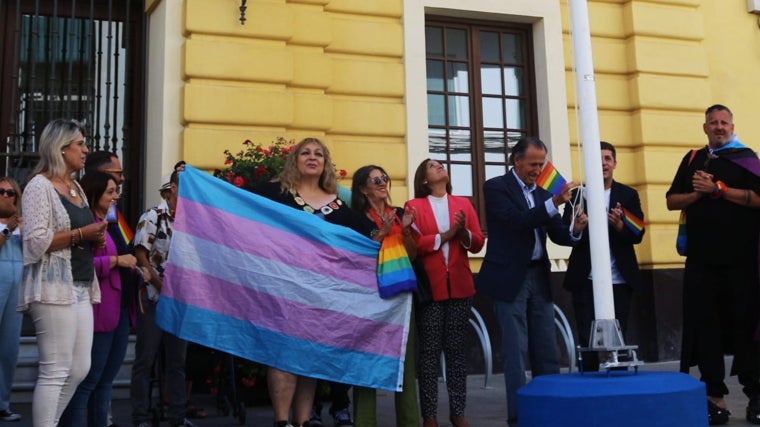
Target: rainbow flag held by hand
x=279, y=286
x=550, y=179
x=634, y=223
x=394, y=270
x=125, y=232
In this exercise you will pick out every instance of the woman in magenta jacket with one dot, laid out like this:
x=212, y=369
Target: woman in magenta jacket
x=115, y=268
x=447, y=227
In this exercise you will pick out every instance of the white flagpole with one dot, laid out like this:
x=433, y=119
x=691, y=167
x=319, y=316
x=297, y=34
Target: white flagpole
x=601, y=273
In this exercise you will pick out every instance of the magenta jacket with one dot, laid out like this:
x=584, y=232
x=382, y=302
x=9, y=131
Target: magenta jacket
x=106, y=314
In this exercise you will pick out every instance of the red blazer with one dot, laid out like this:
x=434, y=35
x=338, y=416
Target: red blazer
x=460, y=283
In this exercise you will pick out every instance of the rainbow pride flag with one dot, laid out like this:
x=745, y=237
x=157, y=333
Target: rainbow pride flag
x=394, y=270
x=279, y=286
x=550, y=179
x=124, y=230
x=634, y=223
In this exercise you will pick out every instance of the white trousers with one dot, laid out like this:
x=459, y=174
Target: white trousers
x=64, y=338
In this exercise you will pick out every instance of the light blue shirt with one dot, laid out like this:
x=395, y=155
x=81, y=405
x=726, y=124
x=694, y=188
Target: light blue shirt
x=538, y=248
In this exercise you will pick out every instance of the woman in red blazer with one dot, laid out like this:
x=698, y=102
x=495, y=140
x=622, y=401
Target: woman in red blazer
x=446, y=228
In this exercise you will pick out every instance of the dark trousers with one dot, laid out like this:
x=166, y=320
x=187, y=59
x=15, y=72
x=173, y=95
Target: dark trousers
x=150, y=338
x=442, y=327
x=583, y=304
x=720, y=314
x=338, y=396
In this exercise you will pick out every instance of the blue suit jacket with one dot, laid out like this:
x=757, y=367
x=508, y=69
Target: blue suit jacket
x=511, y=236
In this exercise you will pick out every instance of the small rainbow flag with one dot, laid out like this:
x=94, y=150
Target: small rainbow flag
x=394, y=270
x=634, y=223
x=124, y=230
x=550, y=179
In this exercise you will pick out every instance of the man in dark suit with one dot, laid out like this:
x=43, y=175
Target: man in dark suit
x=625, y=267
x=515, y=271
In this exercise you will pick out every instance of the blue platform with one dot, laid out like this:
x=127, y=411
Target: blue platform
x=617, y=398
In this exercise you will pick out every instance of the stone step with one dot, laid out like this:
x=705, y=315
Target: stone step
x=25, y=375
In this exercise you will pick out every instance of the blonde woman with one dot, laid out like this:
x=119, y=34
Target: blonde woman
x=59, y=285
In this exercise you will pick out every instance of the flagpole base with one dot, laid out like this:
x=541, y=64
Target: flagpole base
x=607, y=340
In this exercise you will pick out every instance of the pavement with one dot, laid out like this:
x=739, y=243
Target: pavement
x=486, y=405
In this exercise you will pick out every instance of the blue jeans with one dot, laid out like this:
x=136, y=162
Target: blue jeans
x=527, y=333
x=93, y=396
x=10, y=320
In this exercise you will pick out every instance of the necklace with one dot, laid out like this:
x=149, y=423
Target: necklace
x=72, y=192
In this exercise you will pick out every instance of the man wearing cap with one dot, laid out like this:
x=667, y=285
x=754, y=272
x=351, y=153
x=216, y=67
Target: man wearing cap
x=151, y=242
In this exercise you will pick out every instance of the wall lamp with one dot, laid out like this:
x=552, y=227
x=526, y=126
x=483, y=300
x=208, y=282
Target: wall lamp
x=753, y=6
x=243, y=7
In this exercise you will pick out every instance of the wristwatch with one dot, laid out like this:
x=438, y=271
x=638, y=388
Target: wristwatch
x=6, y=233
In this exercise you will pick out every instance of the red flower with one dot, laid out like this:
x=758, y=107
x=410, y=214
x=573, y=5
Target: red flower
x=256, y=163
x=213, y=390
x=248, y=382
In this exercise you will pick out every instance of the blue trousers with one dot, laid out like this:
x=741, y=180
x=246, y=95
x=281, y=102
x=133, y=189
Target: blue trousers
x=527, y=335
x=10, y=320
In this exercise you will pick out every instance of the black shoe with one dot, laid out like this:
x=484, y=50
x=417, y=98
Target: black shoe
x=753, y=410
x=717, y=415
x=9, y=415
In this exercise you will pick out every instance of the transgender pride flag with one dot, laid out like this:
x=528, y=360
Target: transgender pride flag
x=279, y=286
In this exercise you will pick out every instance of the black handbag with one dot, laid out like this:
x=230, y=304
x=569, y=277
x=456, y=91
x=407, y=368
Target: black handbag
x=424, y=294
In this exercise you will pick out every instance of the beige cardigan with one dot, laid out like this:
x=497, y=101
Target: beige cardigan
x=47, y=276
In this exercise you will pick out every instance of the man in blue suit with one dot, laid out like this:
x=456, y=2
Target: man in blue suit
x=624, y=266
x=515, y=271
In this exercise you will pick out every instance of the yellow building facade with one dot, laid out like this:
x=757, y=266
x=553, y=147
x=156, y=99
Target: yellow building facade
x=352, y=72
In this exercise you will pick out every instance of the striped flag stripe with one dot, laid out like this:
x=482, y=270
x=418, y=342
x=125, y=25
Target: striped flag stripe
x=262, y=241
x=274, y=278
x=275, y=215
x=213, y=294
x=290, y=354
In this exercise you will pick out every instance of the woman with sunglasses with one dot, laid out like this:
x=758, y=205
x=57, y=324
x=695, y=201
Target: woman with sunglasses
x=58, y=285
x=11, y=265
x=448, y=228
x=370, y=196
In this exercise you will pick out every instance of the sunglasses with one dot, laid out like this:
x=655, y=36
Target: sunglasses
x=379, y=180
x=8, y=192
